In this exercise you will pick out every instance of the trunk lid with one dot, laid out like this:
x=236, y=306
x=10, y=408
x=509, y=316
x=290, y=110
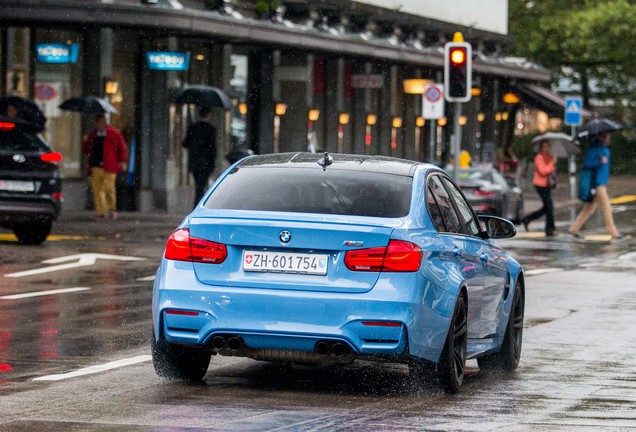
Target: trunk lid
x=324, y=236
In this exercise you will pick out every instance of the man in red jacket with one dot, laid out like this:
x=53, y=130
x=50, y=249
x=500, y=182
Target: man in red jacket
x=106, y=154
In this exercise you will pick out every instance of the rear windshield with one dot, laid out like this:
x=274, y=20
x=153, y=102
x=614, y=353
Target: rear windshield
x=14, y=140
x=306, y=190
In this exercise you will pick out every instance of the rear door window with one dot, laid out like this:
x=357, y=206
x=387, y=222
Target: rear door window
x=468, y=220
x=440, y=207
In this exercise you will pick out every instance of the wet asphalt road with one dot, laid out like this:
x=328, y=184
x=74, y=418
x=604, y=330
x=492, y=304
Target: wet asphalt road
x=578, y=369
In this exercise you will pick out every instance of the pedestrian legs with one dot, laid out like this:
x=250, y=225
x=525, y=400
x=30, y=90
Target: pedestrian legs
x=110, y=188
x=201, y=179
x=600, y=199
x=103, y=185
x=547, y=209
x=97, y=184
x=606, y=210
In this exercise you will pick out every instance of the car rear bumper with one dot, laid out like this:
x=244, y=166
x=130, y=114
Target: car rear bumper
x=22, y=211
x=385, y=321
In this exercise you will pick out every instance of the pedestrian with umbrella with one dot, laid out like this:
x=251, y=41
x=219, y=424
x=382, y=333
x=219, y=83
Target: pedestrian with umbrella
x=597, y=159
x=200, y=141
x=544, y=181
x=105, y=150
x=200, y=137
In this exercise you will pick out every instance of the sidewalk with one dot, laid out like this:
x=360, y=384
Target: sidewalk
x=154, y=224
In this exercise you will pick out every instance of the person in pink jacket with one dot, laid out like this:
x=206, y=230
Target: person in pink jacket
x=106, y=155
x=544, y=166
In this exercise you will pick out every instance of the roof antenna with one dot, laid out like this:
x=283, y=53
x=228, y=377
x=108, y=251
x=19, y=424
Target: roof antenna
x=325, y=161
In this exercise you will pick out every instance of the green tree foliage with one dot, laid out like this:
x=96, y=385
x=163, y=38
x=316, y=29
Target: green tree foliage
x=592, y=38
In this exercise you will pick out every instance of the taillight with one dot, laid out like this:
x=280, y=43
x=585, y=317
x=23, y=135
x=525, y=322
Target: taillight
x=365, y=259
x=53, y=157
x=484, y=193
x=8, y=126
x=57, y=195
x=182, y=247
x=398, y=256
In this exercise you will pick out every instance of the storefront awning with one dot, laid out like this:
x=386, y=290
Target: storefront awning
x=546, y=100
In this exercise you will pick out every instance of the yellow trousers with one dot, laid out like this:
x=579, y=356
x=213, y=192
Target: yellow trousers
x=103, y=184
x=600, y=199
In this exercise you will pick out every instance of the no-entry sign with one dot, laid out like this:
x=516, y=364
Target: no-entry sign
x=433, y=101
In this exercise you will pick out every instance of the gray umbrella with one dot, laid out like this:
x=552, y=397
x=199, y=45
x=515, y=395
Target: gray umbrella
x=599, y=126
x=88, y=104
x=202, y=96
x=561, y=144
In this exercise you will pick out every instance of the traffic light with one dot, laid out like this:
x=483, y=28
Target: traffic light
x=457, y=71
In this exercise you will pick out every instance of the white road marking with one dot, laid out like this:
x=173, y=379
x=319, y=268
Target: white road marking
x=542, y=271
x=42, y=293
x=83, y=260
x=96, y=369
x=147, y=278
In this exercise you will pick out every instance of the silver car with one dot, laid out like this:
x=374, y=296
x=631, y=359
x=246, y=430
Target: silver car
x=490, y=193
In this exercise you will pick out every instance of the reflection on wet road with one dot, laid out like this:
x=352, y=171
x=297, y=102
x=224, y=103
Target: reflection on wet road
x=74, y=354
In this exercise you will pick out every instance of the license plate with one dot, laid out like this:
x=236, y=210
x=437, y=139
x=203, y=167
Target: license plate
x=17, y=186
x=285, y=262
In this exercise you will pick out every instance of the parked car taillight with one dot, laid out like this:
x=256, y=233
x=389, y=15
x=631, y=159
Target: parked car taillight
x=182, y=247
x=398, y=256
x=483, y=193
x=7, y=126
x=53, y=157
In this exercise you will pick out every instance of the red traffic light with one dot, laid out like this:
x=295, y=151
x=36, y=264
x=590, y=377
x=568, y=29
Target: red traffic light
x=458, y=56
x=457, y=71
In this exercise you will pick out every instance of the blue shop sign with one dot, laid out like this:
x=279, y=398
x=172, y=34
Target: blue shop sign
x=56, y=53
x=168, y=61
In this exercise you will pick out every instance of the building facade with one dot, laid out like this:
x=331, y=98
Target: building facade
x=302, y=75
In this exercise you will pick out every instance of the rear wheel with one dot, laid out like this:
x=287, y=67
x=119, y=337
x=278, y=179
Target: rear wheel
x=453, y=361
x=33, y=233
x=507, y=358
x=448, y=374
x=177, y=362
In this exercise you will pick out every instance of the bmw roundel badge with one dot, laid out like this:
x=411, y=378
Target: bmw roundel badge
x=285, y=236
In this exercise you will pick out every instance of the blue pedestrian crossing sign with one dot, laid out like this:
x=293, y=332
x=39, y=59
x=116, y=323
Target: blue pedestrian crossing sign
x=573, y=111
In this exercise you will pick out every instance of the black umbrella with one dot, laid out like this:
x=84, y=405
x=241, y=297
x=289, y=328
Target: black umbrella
x=598, y=126
x=25, y=110
x=88, y=104
x=202, y=96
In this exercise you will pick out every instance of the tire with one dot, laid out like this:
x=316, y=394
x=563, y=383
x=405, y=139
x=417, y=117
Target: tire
x=507, y=358
x=177, y=362
x=450, y=369
x=32, y=233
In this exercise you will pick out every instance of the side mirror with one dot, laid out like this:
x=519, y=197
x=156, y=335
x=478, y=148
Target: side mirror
x=497, y=228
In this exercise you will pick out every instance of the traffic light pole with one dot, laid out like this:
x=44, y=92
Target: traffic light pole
x=457, y=138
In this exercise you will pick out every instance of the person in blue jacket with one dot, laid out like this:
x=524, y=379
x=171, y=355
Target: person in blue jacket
x=597, y=158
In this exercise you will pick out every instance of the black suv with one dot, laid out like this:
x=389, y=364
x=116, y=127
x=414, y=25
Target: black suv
x=30, y=182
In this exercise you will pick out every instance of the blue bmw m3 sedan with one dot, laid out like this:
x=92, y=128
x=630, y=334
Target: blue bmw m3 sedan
x=325, y=259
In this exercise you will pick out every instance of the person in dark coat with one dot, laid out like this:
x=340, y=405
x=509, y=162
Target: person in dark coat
x=200, y=141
